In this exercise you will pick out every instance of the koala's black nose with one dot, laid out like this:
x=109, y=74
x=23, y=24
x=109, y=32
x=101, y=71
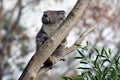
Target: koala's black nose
x=45, y=18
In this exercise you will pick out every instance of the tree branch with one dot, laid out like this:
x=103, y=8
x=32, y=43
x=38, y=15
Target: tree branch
x=30, y=72
x=12, y=27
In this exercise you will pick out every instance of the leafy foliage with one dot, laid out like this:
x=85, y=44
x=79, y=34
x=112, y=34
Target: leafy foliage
x=98, y=65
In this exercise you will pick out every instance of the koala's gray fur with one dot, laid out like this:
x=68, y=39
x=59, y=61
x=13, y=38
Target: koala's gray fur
x=51, y=21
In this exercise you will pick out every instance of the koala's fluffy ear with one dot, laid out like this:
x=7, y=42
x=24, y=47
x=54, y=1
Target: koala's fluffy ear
x=45, y=13
x=61, y=14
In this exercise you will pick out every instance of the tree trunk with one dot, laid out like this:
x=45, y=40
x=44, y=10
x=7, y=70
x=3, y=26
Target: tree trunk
x=30, y=72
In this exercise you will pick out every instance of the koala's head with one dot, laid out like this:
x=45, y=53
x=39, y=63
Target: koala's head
x=52, y=17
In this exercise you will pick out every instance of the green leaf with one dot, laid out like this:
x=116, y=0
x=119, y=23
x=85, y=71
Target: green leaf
x=90, y=75
x=83, y=62
x=67, y=78
x=102, y=50
x=109, y=50
x=78, y=45
x=98, y=68
x=87, y=43
x=106, y=53
x=78, y=57
x=96, y=50
x=83, y=68
x=101, y=56
x=80, y=53
x=80, y=77
x=105, y=72
x=96, y=59
x=105, y=60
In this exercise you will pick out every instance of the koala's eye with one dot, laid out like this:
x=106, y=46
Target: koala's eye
x=45, y=15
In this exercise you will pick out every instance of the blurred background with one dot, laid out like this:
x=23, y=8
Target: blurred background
x=20, y=20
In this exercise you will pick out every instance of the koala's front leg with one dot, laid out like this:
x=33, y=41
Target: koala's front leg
x=40, y=39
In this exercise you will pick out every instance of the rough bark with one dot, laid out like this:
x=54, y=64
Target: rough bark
x=31, y=70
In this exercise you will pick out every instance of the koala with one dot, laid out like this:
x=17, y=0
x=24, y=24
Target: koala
x=51, y=21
